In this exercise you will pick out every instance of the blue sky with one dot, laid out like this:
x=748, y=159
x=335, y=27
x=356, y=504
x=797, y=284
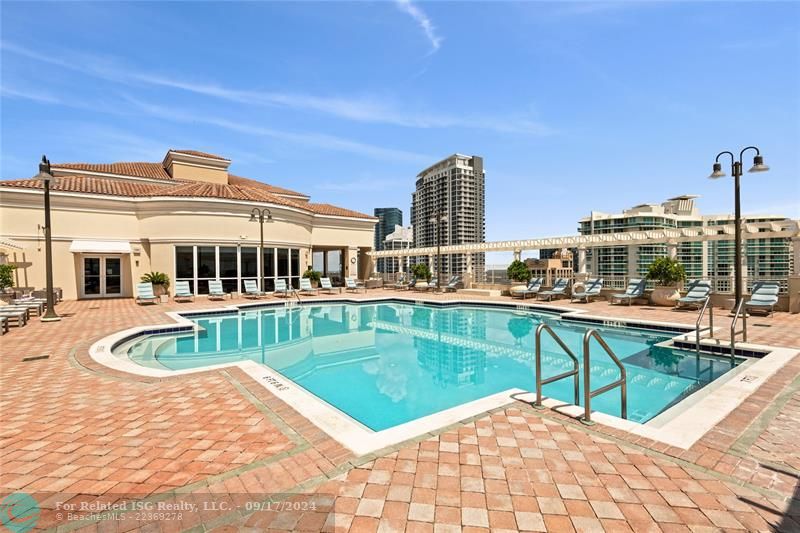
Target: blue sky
x=574, y=105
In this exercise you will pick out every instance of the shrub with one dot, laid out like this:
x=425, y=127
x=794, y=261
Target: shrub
x=666, y=271
x=7, y=275
x=156, y=278
x=518, y=271
x=312, y=275
x=421, y=271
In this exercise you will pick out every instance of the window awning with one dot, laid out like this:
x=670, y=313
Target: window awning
x=100, y=247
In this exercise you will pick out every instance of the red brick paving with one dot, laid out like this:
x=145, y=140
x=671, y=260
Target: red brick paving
x=69, y=424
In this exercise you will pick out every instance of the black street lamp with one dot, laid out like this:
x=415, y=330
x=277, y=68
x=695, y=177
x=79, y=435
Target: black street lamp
x=437, y=219
x=45, y=175
x=736, y=172
x=261, y=216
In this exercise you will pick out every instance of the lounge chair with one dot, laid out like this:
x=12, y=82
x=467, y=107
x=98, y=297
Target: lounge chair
x=281, y=288
x=215, y=291
x=325, y=285
x=306, y=288
x=251, y=289
x=144, y=293
x=399, y=284
x=410, y=285
x=531, y=289
x=30, y=305
x=454, y=284
x=763, y=297
x=591, y=289
x=351, y=285
x=559, y=289
x=20, y=316
x=634, y=290
x=698, y=293
x=433, y=284
x=182, y=291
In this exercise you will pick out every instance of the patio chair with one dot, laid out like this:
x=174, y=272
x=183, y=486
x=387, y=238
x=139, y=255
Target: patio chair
x=591, y=289
x=251, y=289
x=327, y=286
x=454, y=284
x=182, y=291
x=351, y=285
x=306, y=288
x=559, y=289
x=433, y=284
x=281, y=288
x=215, y=291
x=399, y=284
x=634, y=290
x=698, y=293
x=763, y=297
x=531, y=289
x=144, y=293
x=20, y=316
x=410, y=285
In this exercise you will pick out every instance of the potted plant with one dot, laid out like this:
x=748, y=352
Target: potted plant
x=160, y=283
x=518, y=272
x=667, y=273
x=421, y=271
x=313, y=275
x=7, y=276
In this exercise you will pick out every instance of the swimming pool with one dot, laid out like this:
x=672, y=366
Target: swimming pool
x=387, y=363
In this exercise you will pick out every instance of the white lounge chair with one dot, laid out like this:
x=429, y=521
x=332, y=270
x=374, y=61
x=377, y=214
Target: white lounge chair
x=251, y=289
x=350, y=284
x=634, y=291
x=182, y=291
x=764, y=296
x=591, y=289
x=306, y=288
x=281, y=288
x=20, y=316
x=454, y=284
x=531, y=289
x=325, y=285
x=144, y=293
x=699, y=291
x=559, y=289
x=215, y=290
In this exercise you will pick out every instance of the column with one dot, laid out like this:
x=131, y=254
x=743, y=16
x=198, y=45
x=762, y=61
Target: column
x=517, y=255
x=633, y=267
x=582, y=260
x=672, y=250
x=468, y=277
x=351, y=262
x=432, y=264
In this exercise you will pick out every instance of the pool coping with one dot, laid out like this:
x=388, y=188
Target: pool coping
x=681, y=425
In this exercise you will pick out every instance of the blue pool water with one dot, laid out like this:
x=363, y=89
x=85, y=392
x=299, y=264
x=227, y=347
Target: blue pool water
x=384, y=364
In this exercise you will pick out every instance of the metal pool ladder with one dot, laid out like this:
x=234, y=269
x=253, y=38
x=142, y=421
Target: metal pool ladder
x=743, y=331
x=539, y=381
x=710, y=327
x=588, y=393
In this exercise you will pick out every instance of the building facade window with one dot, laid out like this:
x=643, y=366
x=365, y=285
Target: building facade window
x=232, y=265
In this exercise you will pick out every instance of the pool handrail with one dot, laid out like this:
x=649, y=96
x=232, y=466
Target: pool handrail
x=710, y=327
x=737, y=313
x=588, y=393
x=539, y=381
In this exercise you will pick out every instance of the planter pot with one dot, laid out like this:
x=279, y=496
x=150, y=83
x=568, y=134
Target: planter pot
x=164, y=298
x=159, y=290
x=666, y=296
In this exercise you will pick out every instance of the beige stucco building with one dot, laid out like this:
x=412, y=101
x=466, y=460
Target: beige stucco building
x=186, y=216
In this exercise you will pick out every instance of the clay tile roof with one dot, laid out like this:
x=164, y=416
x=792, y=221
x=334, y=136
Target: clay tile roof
x=328, y=209
x=239, y=180
x=136, y=169
x=200, y=154
x=88, y=184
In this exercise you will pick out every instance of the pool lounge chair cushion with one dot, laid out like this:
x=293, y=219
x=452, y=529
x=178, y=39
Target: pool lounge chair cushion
x=531, y=289
x=281, y=288
x=592, y=289
x=699, y=290
x=559, y=289
x=764, y=296
x=454, y=284
x=144, y=293
x=182, y=291
x=215, y=291
x=350, y=284
x=634, y=290
x=306, y=288
x=325, y=285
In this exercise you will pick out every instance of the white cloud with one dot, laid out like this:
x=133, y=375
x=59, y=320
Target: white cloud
x=424, y=22
x=29, y=94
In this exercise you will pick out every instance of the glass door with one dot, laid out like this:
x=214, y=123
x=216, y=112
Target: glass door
x=102, y=276
x=91, y=276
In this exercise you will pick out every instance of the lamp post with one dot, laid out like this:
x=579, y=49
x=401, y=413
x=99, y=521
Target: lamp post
x=736, y=172
x=437, y=219
x=261, y=216
x=44, y=174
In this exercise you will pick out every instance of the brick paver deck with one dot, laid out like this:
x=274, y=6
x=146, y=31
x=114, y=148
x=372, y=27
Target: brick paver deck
x=69, y=425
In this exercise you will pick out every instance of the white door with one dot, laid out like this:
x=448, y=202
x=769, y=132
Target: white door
x=102, y=276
